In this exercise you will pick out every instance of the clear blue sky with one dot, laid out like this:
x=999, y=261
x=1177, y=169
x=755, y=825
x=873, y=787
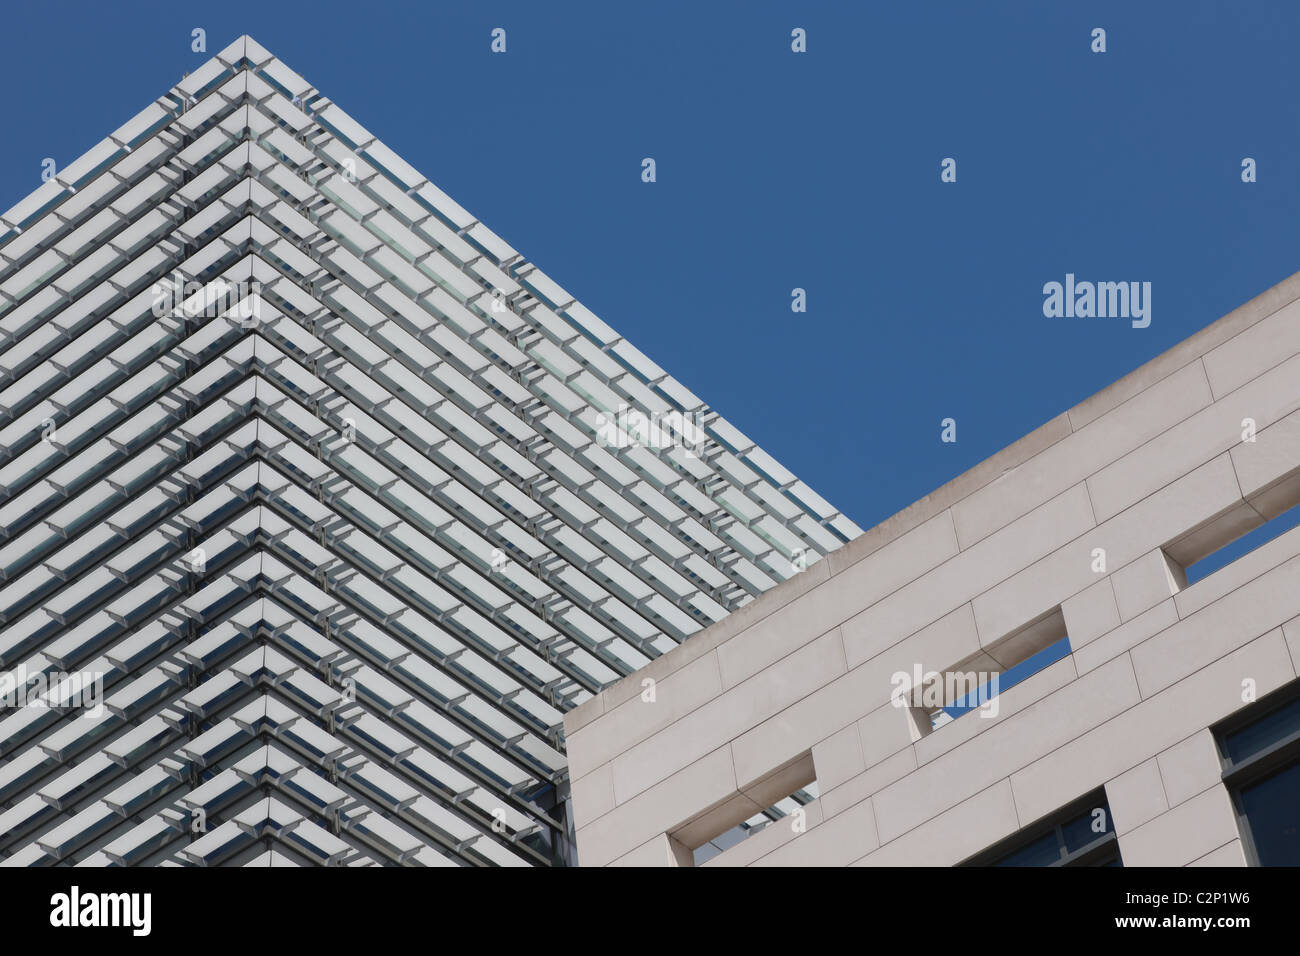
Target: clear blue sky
x=778, y=170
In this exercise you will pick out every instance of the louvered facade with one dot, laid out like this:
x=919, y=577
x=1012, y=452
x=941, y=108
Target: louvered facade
x=329, y=503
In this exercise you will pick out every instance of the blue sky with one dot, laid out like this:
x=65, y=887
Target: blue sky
x=779, y=170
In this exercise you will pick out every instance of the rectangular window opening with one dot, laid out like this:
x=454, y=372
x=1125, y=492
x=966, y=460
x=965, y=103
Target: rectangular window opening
x=1250, y=536
x=1260, y=750
x=782, y=813
x=1081, y=834
x=975, y=682
x=783, y=794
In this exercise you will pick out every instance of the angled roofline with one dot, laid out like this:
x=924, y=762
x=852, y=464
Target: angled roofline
x=1190, y=350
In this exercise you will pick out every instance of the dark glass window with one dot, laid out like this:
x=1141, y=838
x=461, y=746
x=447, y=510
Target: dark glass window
x=1272, y=808
x=1261, y=734
x=1044, y=851
x=1260, y=748
x=1081, y=834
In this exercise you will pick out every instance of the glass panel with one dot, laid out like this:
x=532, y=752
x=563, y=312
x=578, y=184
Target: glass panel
x=1087, y=828
x=1248, y=741
x=1272, y=809
x=1044, y=851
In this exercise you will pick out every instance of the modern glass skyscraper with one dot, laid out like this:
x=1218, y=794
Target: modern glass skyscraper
x=320, y=505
